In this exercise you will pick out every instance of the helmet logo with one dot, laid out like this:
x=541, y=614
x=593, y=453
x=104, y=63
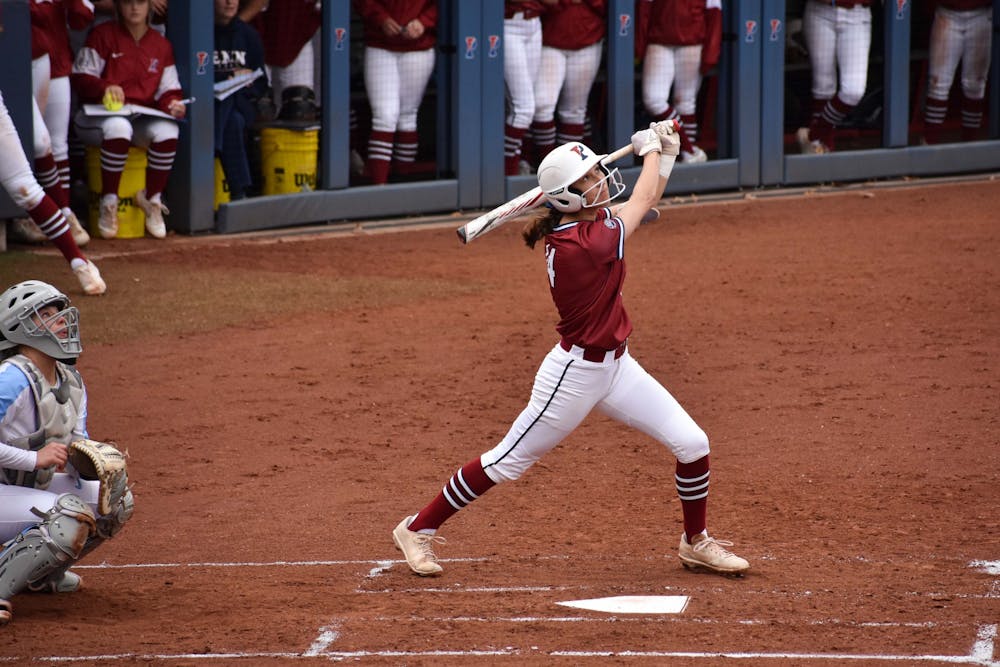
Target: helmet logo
x=578, y=149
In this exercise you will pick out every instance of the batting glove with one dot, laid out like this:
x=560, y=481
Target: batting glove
x=645, y=141
x=670, y=140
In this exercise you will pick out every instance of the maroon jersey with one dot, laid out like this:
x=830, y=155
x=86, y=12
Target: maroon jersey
x=285, y=27
x=145, y=69
x=528, y=8
x=49, y=33
x=375, y=12
x=586, y=269
x=672, y=22
x=574, y=25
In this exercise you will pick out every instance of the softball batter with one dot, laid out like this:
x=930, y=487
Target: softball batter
x=49, y=516
x=961, y=32
x=591, y=366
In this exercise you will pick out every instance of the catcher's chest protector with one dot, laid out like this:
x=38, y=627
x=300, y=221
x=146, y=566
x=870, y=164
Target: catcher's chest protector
x=57, y=410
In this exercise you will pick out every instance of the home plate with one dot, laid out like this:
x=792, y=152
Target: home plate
x=633, y=604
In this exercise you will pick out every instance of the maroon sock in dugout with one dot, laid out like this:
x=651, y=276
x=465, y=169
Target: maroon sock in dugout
x=159, y=162
x=470, y=482
x=691, y=480
x=114, y=153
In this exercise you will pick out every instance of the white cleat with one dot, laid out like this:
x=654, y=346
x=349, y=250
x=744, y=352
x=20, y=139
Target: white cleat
x=90, y=279
x=24, y=230
x=418, y=548
x=695, y=155
x=711, y=554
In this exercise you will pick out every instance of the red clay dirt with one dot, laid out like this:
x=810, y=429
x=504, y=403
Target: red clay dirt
x=841, y=351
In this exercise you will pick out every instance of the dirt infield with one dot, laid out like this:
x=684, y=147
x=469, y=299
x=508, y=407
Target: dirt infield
x=286, y=400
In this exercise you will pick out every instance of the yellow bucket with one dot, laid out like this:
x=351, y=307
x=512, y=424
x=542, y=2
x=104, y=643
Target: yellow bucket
x=221, y=185
x=288, y=160
x=131, y=219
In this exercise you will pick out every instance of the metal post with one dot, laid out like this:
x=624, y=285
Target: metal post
x=896, y=90
x=772, y=100
x=335, y=96
x=190, y=27
x=621, y=72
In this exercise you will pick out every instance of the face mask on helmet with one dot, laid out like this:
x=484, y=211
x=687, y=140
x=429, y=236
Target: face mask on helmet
x=566, y=165
x=22, y=322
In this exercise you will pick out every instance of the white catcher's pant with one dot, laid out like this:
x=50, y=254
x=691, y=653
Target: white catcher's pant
x=567, y=388
x=16, y=501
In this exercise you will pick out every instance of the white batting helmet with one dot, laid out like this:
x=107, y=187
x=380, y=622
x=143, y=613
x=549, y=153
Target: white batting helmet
x=21, y=323
x=567, y=164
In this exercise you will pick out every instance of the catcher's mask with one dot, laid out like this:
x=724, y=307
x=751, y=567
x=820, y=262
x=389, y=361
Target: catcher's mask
x=567, y=164
x=22, y=323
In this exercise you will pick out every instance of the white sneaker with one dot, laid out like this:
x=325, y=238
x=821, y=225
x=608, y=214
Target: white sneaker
x=107, y=223
x=418, y=548
x=154, y=210
x=80, y=234
x=24, y=230
x=90, y=279
x=695, y=155
x=524, y=168
x=802, y=137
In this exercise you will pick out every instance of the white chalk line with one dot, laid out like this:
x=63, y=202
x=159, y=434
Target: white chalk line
x=981, y=653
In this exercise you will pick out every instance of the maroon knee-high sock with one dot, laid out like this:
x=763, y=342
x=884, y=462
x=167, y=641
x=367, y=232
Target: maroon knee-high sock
x=50, y=219
x=824, y=127
x=935, y=111
x=470, y=482
x=159, y=162
x=63, y=167
x=972, y=117
x=379, y=156
x=48, y=177
x=570, y=132
x=512, y=140
x=544, y=139
x=114, y=153
x=692, y=488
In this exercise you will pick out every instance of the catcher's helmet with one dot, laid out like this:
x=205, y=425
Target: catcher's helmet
x=567, y=164
x=21, y=322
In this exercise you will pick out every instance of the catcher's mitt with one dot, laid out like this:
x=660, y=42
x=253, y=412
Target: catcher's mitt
x=103, y=462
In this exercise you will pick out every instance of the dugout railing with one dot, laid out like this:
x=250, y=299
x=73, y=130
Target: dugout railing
x=746, y=106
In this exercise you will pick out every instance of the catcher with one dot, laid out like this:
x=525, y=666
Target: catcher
x=61, y=494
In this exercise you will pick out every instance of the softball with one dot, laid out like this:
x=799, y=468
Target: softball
x=110, y=104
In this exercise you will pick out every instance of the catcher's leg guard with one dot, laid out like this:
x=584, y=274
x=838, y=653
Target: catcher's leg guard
x=109, y=524
x=45, y=548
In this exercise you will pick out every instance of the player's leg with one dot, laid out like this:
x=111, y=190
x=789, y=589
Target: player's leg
x=522, y=56
x=20, y=184
x=293, y=86
x=53, y=531
x=551, y=80
x=818, y=28
x=581, y=71
x=415, y=69
x=944, y=54
x=975, y=69
x=854, y=33
x=658, y=73
x=381, y=70
x=57, y=118
x=639, y=400
x=113, y=134
x=564, y=392
x=687, y=81
x=159, y=137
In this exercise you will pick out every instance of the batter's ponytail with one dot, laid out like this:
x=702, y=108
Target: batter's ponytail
x=542, y=225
